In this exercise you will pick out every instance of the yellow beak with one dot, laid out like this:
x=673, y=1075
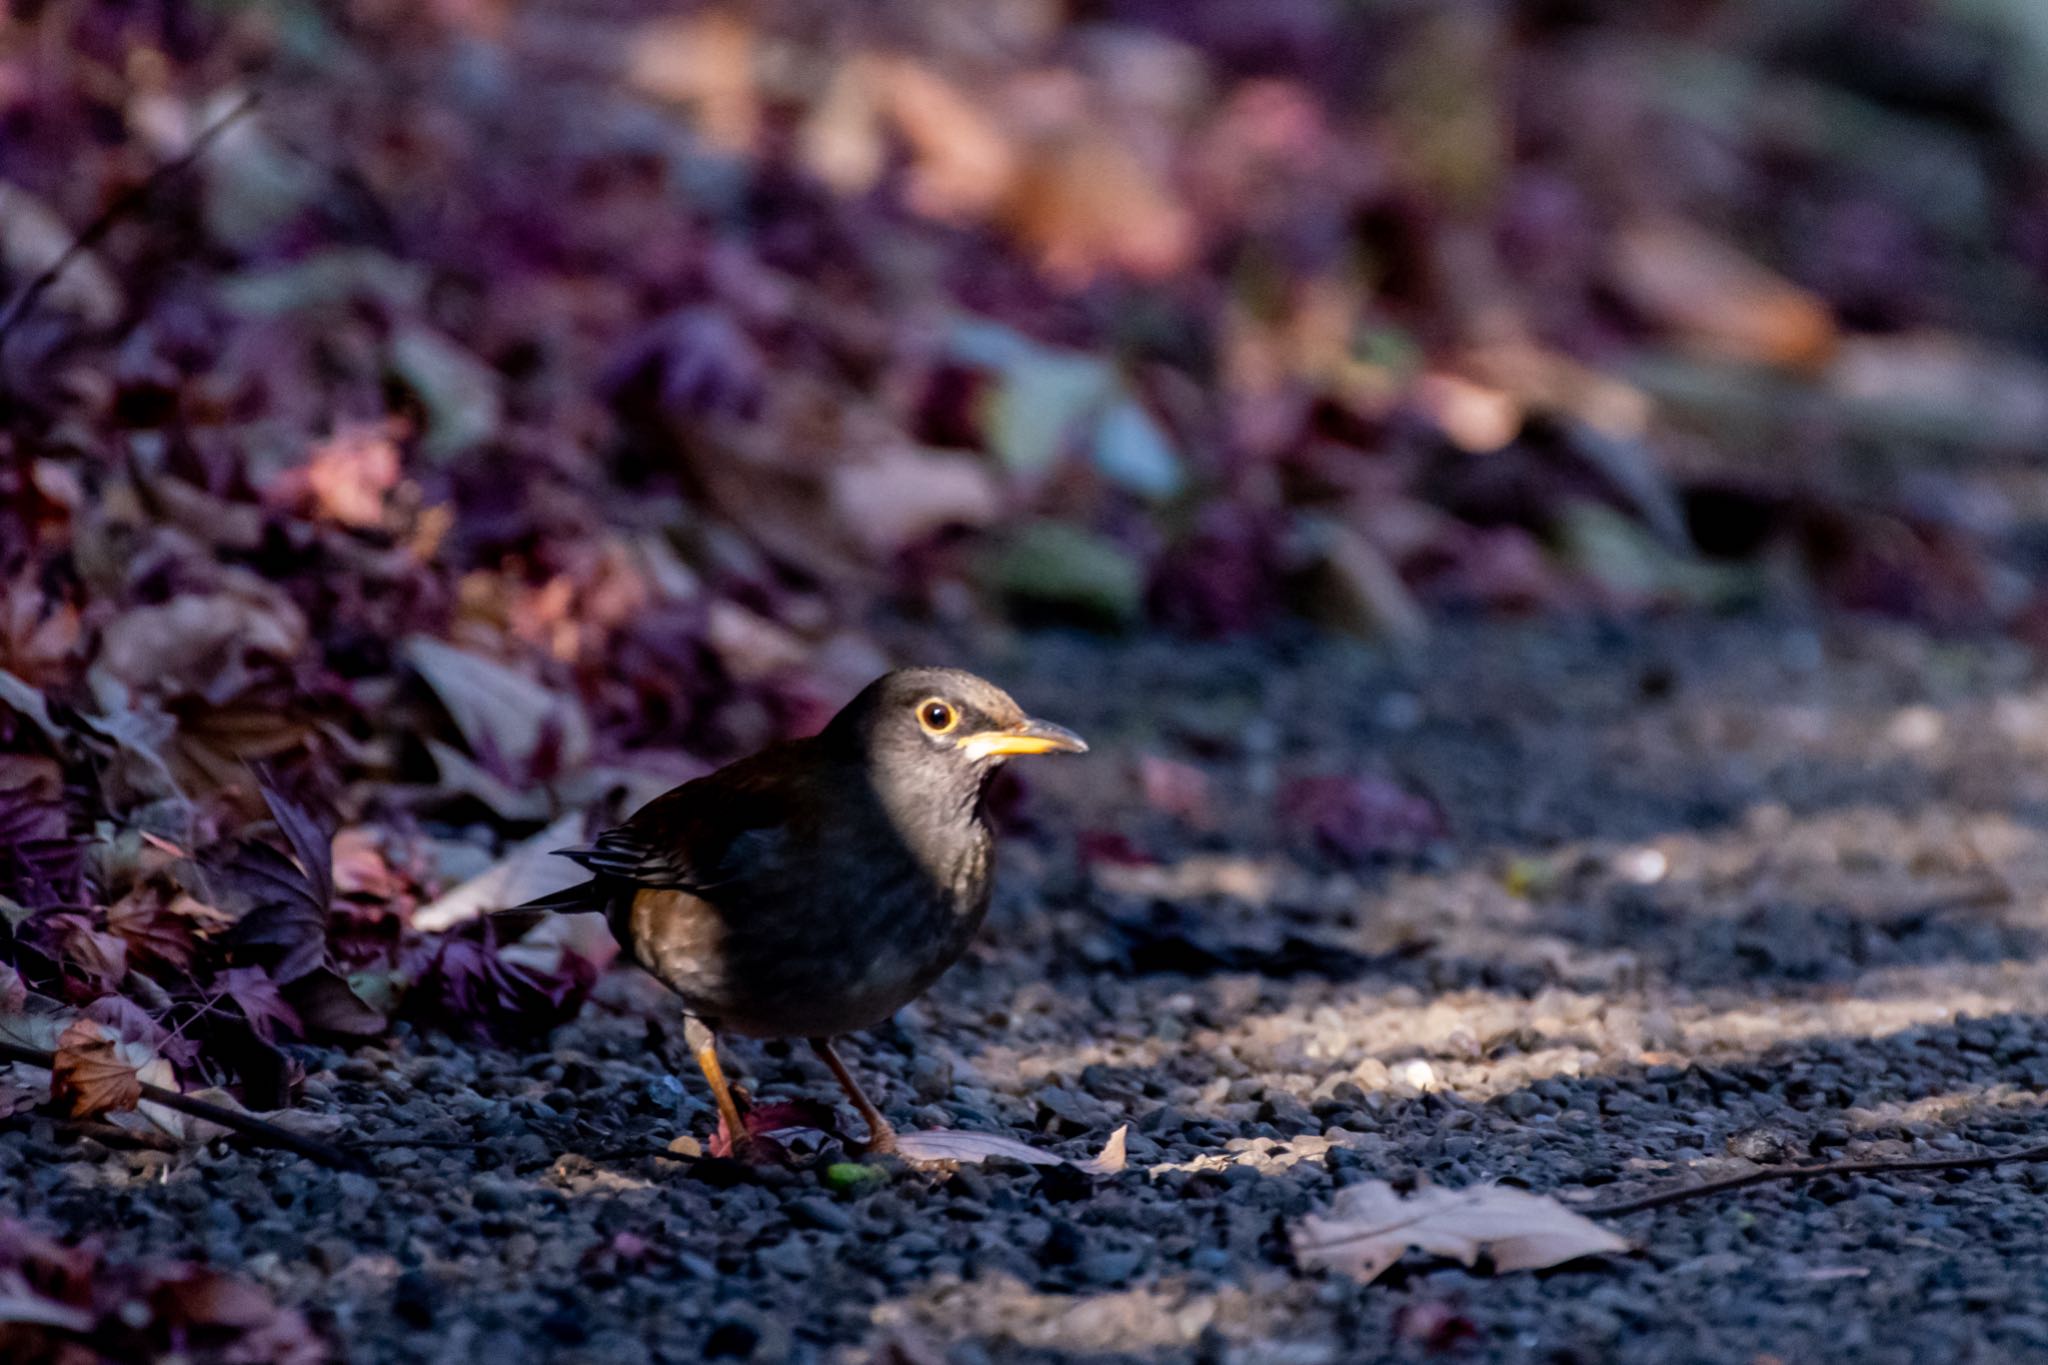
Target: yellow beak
x=1026, y=737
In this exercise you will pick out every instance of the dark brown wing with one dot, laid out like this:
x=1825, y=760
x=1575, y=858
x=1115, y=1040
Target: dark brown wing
x=705, y=833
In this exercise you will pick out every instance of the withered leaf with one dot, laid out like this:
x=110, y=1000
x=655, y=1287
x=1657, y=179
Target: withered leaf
x=528, y=871
x=291, y=898
x=312, y=845
x=21, y=1305
x=1370, y=1227
x=500, y=711
x=152, y=933
x=946, y=1144
x=325, y=1003
x=94, y=1073
x=90, y=954
x=261, y=1001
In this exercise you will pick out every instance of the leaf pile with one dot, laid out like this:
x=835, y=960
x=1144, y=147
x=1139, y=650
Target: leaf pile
x=67, y=1306
x=522, y=408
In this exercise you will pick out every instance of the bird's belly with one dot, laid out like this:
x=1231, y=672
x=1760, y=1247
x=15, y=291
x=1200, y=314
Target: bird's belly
x=764, y=971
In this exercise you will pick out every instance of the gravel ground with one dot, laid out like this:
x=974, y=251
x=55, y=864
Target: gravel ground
x=1712, y=894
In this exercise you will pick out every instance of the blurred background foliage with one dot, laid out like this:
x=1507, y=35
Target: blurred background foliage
x=520, y=406
x=649, y=349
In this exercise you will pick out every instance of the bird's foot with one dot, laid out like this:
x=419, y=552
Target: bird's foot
x=881, y=1137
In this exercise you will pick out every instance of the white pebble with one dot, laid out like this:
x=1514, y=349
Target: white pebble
x=1416, y=1074
x=1643, y=866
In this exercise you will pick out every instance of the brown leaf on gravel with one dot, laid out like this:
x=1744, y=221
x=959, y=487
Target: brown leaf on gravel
x=946, y=1144
x=95, y=1074
x=1370, y=1226
x=68, y=1306
x=1359, y=590
x=1354, y=817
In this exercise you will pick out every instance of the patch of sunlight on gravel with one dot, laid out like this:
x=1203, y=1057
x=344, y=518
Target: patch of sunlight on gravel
x=1396, y=1044
x=1155, y=1318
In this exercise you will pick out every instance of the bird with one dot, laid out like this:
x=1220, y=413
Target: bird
x=816, y=887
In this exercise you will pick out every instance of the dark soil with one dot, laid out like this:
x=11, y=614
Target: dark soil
x=1712, y=894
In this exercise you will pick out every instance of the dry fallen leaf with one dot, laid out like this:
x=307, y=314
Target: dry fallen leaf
x=903, y=496
x=962, y=164
x=95, y=1073
x=203, y=644
x=500, y=711
x=347, y=478
x=945, y=1144
x=1369, y=1227
x=841, y=141
x=1716, y=300
x=706, y=62
x=751, y=646
x=150, y=930
x=22, y=1305
x=528, y=871
x=1360, y=591
x=1089, y=203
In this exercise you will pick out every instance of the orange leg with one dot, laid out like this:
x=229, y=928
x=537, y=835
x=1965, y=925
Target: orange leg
x=881, y=1134
x=704, y=1045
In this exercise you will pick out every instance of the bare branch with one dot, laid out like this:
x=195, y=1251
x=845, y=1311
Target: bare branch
x=236, y=1121
x=123, y=205
x=1767, y=1174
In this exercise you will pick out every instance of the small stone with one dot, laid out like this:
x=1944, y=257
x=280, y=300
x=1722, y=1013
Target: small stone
x=931, y=1077
x=491, y=1196
x=816, y=1212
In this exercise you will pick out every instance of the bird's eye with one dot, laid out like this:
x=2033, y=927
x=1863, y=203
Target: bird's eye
x=936, y=716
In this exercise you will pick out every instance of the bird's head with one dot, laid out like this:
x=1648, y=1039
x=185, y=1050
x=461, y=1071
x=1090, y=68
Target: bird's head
x=946, y=723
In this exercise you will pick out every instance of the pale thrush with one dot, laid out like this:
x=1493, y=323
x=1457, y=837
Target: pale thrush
x=818, y=886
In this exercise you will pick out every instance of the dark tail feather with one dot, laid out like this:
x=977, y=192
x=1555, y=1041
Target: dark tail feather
x=514, y=923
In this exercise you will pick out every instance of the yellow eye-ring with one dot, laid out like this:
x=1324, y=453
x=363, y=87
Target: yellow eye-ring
x=935, y=716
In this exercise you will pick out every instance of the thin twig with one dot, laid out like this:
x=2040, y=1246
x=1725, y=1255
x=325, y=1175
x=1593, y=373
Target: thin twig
x=123, y=205
x=1766, y=1174
x=242, y=1124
